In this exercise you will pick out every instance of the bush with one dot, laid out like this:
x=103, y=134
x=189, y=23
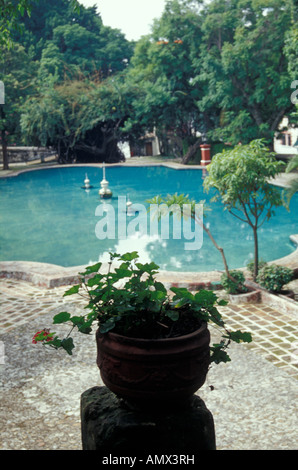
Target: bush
x=250, y=266
x=232, y=287
x=274, y=277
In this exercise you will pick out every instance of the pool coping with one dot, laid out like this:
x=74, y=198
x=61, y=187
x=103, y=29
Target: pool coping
x=51, y=275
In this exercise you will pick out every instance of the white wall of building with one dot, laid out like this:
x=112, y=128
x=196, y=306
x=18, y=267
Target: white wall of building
x=284, y=145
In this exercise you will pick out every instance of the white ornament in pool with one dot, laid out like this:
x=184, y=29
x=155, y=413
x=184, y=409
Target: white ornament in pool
x=87, y=182
x=105, y=192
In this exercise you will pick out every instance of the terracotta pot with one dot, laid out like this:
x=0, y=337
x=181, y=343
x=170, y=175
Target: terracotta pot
x=151, y=371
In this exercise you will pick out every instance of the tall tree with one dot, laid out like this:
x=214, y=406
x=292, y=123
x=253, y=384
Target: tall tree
x=244, y=68
x=12, y=11
x=77, y=40
x=162, y=70
x=81, y=119
x=17, y=71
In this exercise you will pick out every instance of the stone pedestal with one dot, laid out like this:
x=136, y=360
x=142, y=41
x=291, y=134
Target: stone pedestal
x=113, y=428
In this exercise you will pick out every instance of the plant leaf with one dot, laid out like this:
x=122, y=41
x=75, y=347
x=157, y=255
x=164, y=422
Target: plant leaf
x=72, y=290
x=68, y=345
x=61, y=317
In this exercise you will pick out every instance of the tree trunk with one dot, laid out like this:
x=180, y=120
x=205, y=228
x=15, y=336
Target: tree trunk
x=220, y=249
x=4, y=151
x=191, y=152
x=256, y=253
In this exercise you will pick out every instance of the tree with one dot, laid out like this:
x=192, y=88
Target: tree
x=181, y=204
x=162, y=70
x=243, y=67
x=17, y=72
x=77, y=40
x=81, y=119
x=241, y=178
x=71, y=52
x=10, y=13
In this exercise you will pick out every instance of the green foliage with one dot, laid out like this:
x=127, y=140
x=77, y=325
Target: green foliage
x=72, y=39
x=162, y=70
x=243, y=67
x=273, y=277
x=235, y=285
x=241, y=178
x=130, y=301
x=17, y=72
x=222, y=70
x=9, y=14
x=12, y=12
x=82, y=119
x=290, y=49
x=251, y=265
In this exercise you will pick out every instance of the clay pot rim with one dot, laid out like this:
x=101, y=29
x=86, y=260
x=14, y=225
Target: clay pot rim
x=120, y=338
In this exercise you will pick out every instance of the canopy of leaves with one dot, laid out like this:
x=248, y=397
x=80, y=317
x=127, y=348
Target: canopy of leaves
x=243, y=68
x=17, y=71
x=162, y=70
x=81, y=119
x=241, y=177
x=74, y=41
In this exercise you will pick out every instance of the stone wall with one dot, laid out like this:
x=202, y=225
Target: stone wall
x=27, y=154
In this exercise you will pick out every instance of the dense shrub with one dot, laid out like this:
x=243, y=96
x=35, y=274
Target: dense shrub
x=234, y=287
x=251, y=264
x=274, y=277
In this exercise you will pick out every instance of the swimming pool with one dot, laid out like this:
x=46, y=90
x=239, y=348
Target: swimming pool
x=46, y=216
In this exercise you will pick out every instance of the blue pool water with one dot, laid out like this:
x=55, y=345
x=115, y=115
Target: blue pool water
x=46, y=216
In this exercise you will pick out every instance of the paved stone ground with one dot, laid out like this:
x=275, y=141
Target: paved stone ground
x=252, y=398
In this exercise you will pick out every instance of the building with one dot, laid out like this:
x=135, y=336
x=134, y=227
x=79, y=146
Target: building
x=286, y=141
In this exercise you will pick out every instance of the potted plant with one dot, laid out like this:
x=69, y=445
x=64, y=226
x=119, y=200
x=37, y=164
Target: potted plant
x=236, y=285
x=238, y=289
x=152, y=345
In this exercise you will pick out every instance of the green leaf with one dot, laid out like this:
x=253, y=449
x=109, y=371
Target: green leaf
x=182, y=293
x=55, y=343
x=77, y=320
x=72, y=290
x=68, y=345
x=218, y=354
x=94, y=280
x=173, y=315
x=239, y=336
x=61, y=317
x=130, y=256
x=122, y=273
x=107, y=326
x=93, y=269
x=160, y=287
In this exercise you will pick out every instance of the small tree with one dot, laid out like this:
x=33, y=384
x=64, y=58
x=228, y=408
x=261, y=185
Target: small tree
x=175, y=203
x=241, y=177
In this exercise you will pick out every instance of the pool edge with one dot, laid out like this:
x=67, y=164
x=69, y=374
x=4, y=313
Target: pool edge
x=51, y=275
